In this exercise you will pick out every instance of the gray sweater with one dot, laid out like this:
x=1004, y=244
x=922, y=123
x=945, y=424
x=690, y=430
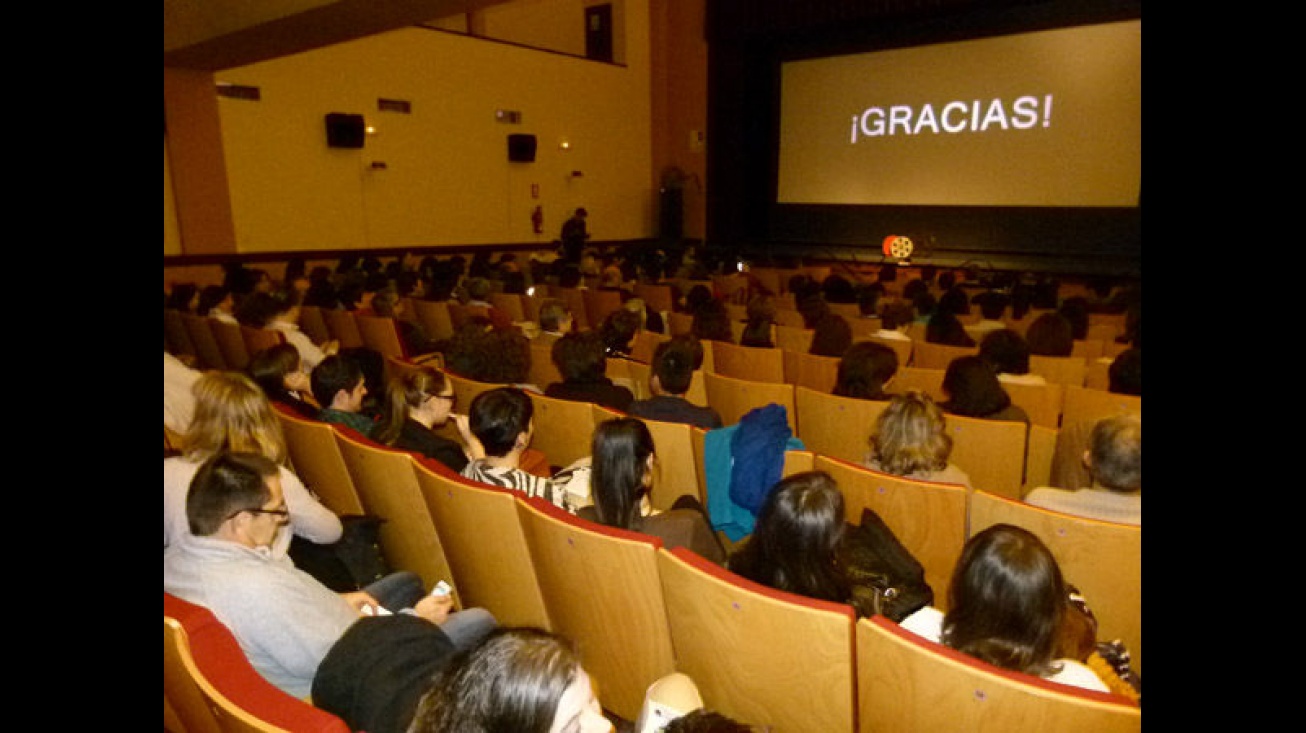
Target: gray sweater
x=284, y=619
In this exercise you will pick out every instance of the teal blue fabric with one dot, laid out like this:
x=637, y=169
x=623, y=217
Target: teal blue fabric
x=720, y=463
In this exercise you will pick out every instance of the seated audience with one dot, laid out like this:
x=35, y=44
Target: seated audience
x=233, y=414
x=1006, y=605
x=582, y=362
x=387, y=304
x=973, y=390
x=943, y=327
x=1008, y=354
x=622, y=462
x=911, y=440
x=217, y=302
x=1050, y=334
x=502, y=421
x=794, y=545
x=760, y=314
x=671, y=374
x=1114, y=462
x=285, y=621
x=278, y=371
x=712, y=322
x=894, y=320
x=523, y=680
x=555, y=321
x=417, y=401
x=339, y=387
x=865, y=371
x=280, y=312
x=1125, y=375
x=617, y=332
x=831, y=336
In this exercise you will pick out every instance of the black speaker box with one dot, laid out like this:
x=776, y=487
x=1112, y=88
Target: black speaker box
x=344, y=131
x=521, y=148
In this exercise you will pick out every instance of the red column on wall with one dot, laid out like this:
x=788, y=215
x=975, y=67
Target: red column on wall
x=199, y=171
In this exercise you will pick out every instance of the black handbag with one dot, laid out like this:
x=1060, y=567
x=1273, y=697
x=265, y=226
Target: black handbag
x=350, y=563
x=885, y=578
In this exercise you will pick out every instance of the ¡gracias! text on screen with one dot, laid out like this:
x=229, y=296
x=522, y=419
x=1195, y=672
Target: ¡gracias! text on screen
x=954, y=117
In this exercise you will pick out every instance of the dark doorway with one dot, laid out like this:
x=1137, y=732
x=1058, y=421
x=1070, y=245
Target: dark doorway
x=598, y=32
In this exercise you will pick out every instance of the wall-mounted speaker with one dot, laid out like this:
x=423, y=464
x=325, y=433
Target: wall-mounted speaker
x=344, y=131
x=521, y=148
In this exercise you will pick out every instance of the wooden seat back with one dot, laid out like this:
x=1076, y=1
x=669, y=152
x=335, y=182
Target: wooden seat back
x=387, y=486
x=929, y=381
x=434, y=317
x=656, y=296
x=754, y=363
x=381, y=334
x=929, y=518
x=1102, y=559
x=512, y=305
x=991, y=452
x=175, y=337
x=317, y=461
x=313, y=324
x=757, y=654
x=793, y=338
x=836, y=426
x=1064, y=370
x=574, y=299
x=232, y=343
x=676, y=472
x=1041, y=402
x=598, y=304
x=543, y=371
x=813, y=371
x=206, y=346
x=646, y=342
x=733, y=398
x=602, y=590
x=210, y=685
x=343, y=328
x=908, y=684
x=498, y=576
x=901, y=347
x=678, y=323
x=563, y=428
x=929, y=355
x=260, y=339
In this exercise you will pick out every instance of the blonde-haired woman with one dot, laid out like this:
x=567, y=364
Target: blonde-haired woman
x=911, y=440
x=233, y=414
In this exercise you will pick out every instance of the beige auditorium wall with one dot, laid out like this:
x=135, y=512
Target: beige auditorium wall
x=446, y=176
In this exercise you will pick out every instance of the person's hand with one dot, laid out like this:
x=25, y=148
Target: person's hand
x=474, y=449
x=361, y=600
x=331, y=347
x=434, y=608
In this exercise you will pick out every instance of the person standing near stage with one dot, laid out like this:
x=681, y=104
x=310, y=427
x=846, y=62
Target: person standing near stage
x=574, y=236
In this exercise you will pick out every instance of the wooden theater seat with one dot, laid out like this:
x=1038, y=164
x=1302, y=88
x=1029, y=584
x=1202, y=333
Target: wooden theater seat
x=733, y=398
x=313, y=324
x=206, y=346
x=836, y=426
x=908, y=684
x=387, y=486
x=757, y=654
x=929, y=355
x=563, y=428
x=499, y=575
x=1102, y=559
x=232, y=343
x=343, y=327
x=210, y=686
x=317, y=461
x=434, y=317
x=602, y=590
x=813, y=371
x=381, y=334
x=929, y=518
x=991, y=452
x=754, y=363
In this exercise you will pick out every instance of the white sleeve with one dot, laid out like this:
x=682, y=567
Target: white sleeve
x=308, y=517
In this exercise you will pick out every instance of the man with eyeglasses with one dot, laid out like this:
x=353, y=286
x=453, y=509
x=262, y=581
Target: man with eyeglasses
x=285, y=620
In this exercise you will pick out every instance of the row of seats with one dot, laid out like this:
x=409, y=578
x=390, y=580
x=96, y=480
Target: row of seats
x=640, y=611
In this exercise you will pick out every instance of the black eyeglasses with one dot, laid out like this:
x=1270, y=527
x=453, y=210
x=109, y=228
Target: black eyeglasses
x=276, y=512
x=451, y=397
